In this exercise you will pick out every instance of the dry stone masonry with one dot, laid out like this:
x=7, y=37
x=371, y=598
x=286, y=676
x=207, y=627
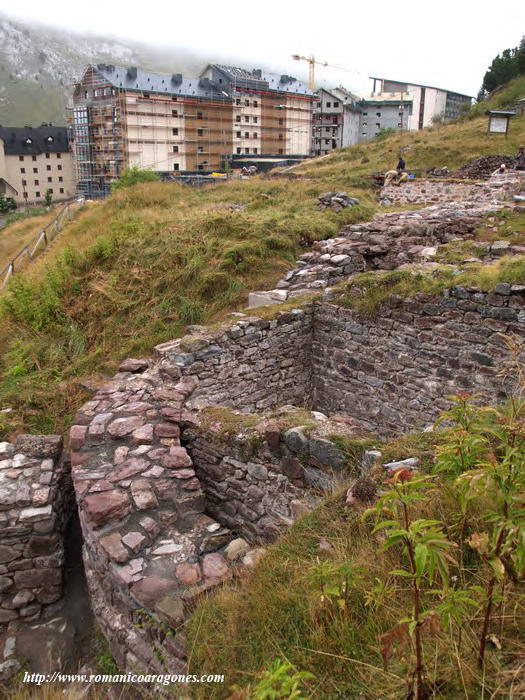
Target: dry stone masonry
x=35, y=502
x=420, y=191
x=185, y=465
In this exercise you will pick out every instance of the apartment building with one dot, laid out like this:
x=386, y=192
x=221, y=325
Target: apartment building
x=341, y=119
x=121, y=117
x=335, y=120
x=34, y=160
x=272, y=115
x=380, y=112
x=428, y=103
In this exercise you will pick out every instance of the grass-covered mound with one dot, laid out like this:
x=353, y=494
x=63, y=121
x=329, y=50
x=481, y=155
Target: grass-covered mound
x=134, y=271
x=418, y=594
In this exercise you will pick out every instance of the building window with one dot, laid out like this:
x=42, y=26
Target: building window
x=280, y=137
x=174, y=112
x=199, y=115
x=378, y=114
x=175, y=132
x=255, y=120
x=200, y=167
x=175, y=149
x=238, y=101
x=36, y=182
x=281, y=121
x=378, y=124
x=246, y=134
x=146, y=95
x=365, y=114
x=22, y=170
x=175, y=166
x=59, y=167
x=24, y=183
x=336, y=104
x=246, y=119
x=50, y=179
x=327, y=141
x=256, y=150
x=59, y=156
x=365, y=123
x=20, y=157
x=255, y=103
x=246, y=150
x=280, y=151
x=48, y=156
x=238, y=118
x=33, y=157
x=50, y=189
x=200, y=132
x=238, y=150
x=48, y=167
x=200, y=149
x=254, y=134
x=61, y=179
x=239, y=135
x=35, y=170
x=37, y=194
x=61, y=190
x=328, y=104
x=25, y=195
x=247, y=103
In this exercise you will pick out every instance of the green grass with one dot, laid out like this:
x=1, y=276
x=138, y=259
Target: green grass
x=134, y=271
x=368, y=291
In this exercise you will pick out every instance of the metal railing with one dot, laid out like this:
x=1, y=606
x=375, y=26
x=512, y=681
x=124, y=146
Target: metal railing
x=39, y=242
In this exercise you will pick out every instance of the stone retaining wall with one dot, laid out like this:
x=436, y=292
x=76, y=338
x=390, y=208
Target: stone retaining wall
x=394, y=371
x=160, y=516
x=420, y=191
x=35, y=503
x=252, y=364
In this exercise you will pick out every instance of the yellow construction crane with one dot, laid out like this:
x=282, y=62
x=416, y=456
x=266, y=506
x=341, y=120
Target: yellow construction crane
x=311, y=67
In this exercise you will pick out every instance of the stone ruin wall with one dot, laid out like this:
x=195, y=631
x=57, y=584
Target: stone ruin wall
x=35, y=503
x=162, y=498
x=151, y=548
x=402, y=364
x=421, y=191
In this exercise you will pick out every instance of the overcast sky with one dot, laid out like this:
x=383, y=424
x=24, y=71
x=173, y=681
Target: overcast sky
x=444, y=43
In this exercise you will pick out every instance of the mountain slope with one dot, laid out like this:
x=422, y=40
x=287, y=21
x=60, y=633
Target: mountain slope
x=38, y=64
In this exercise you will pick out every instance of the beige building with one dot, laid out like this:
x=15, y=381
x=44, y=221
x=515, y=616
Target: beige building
x=121, y=117
x=34, y=160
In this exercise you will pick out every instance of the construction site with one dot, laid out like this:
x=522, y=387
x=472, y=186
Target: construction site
x=121, y=118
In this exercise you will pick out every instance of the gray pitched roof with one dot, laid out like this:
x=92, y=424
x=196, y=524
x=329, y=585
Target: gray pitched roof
x=29, y=140
x=145, y=81
x=258, y=79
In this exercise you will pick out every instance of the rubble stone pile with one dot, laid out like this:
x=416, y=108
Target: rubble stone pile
x=336, y=201
x=482, y=168
x=389, y=241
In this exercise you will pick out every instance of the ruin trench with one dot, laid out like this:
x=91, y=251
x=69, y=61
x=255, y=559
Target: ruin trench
x=160, y=499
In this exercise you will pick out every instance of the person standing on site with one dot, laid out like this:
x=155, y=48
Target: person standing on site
x=520, y=158
x=401, y=165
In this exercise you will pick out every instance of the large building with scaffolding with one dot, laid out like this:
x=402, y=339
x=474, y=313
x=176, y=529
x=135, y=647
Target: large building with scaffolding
x=120, y=117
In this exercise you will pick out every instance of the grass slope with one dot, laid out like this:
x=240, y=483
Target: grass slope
x=134, y=271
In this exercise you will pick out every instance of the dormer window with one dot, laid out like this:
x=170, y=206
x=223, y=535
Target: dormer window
x=49, y=139
x=29, y=142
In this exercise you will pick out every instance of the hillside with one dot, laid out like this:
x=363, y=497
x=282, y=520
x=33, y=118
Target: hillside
x=39, y=64
x=406, y=581
x=132, y=271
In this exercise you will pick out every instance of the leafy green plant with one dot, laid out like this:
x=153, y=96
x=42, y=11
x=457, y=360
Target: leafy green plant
x=280, y=681
x=426, y=552
x=132, y=176
x=48, y=197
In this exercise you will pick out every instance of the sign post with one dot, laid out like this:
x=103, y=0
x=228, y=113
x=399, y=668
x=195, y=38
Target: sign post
x=499, y=121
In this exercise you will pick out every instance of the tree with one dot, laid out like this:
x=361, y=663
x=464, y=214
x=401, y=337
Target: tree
x=133, y=175
x=48, y=197
x=504, y=67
